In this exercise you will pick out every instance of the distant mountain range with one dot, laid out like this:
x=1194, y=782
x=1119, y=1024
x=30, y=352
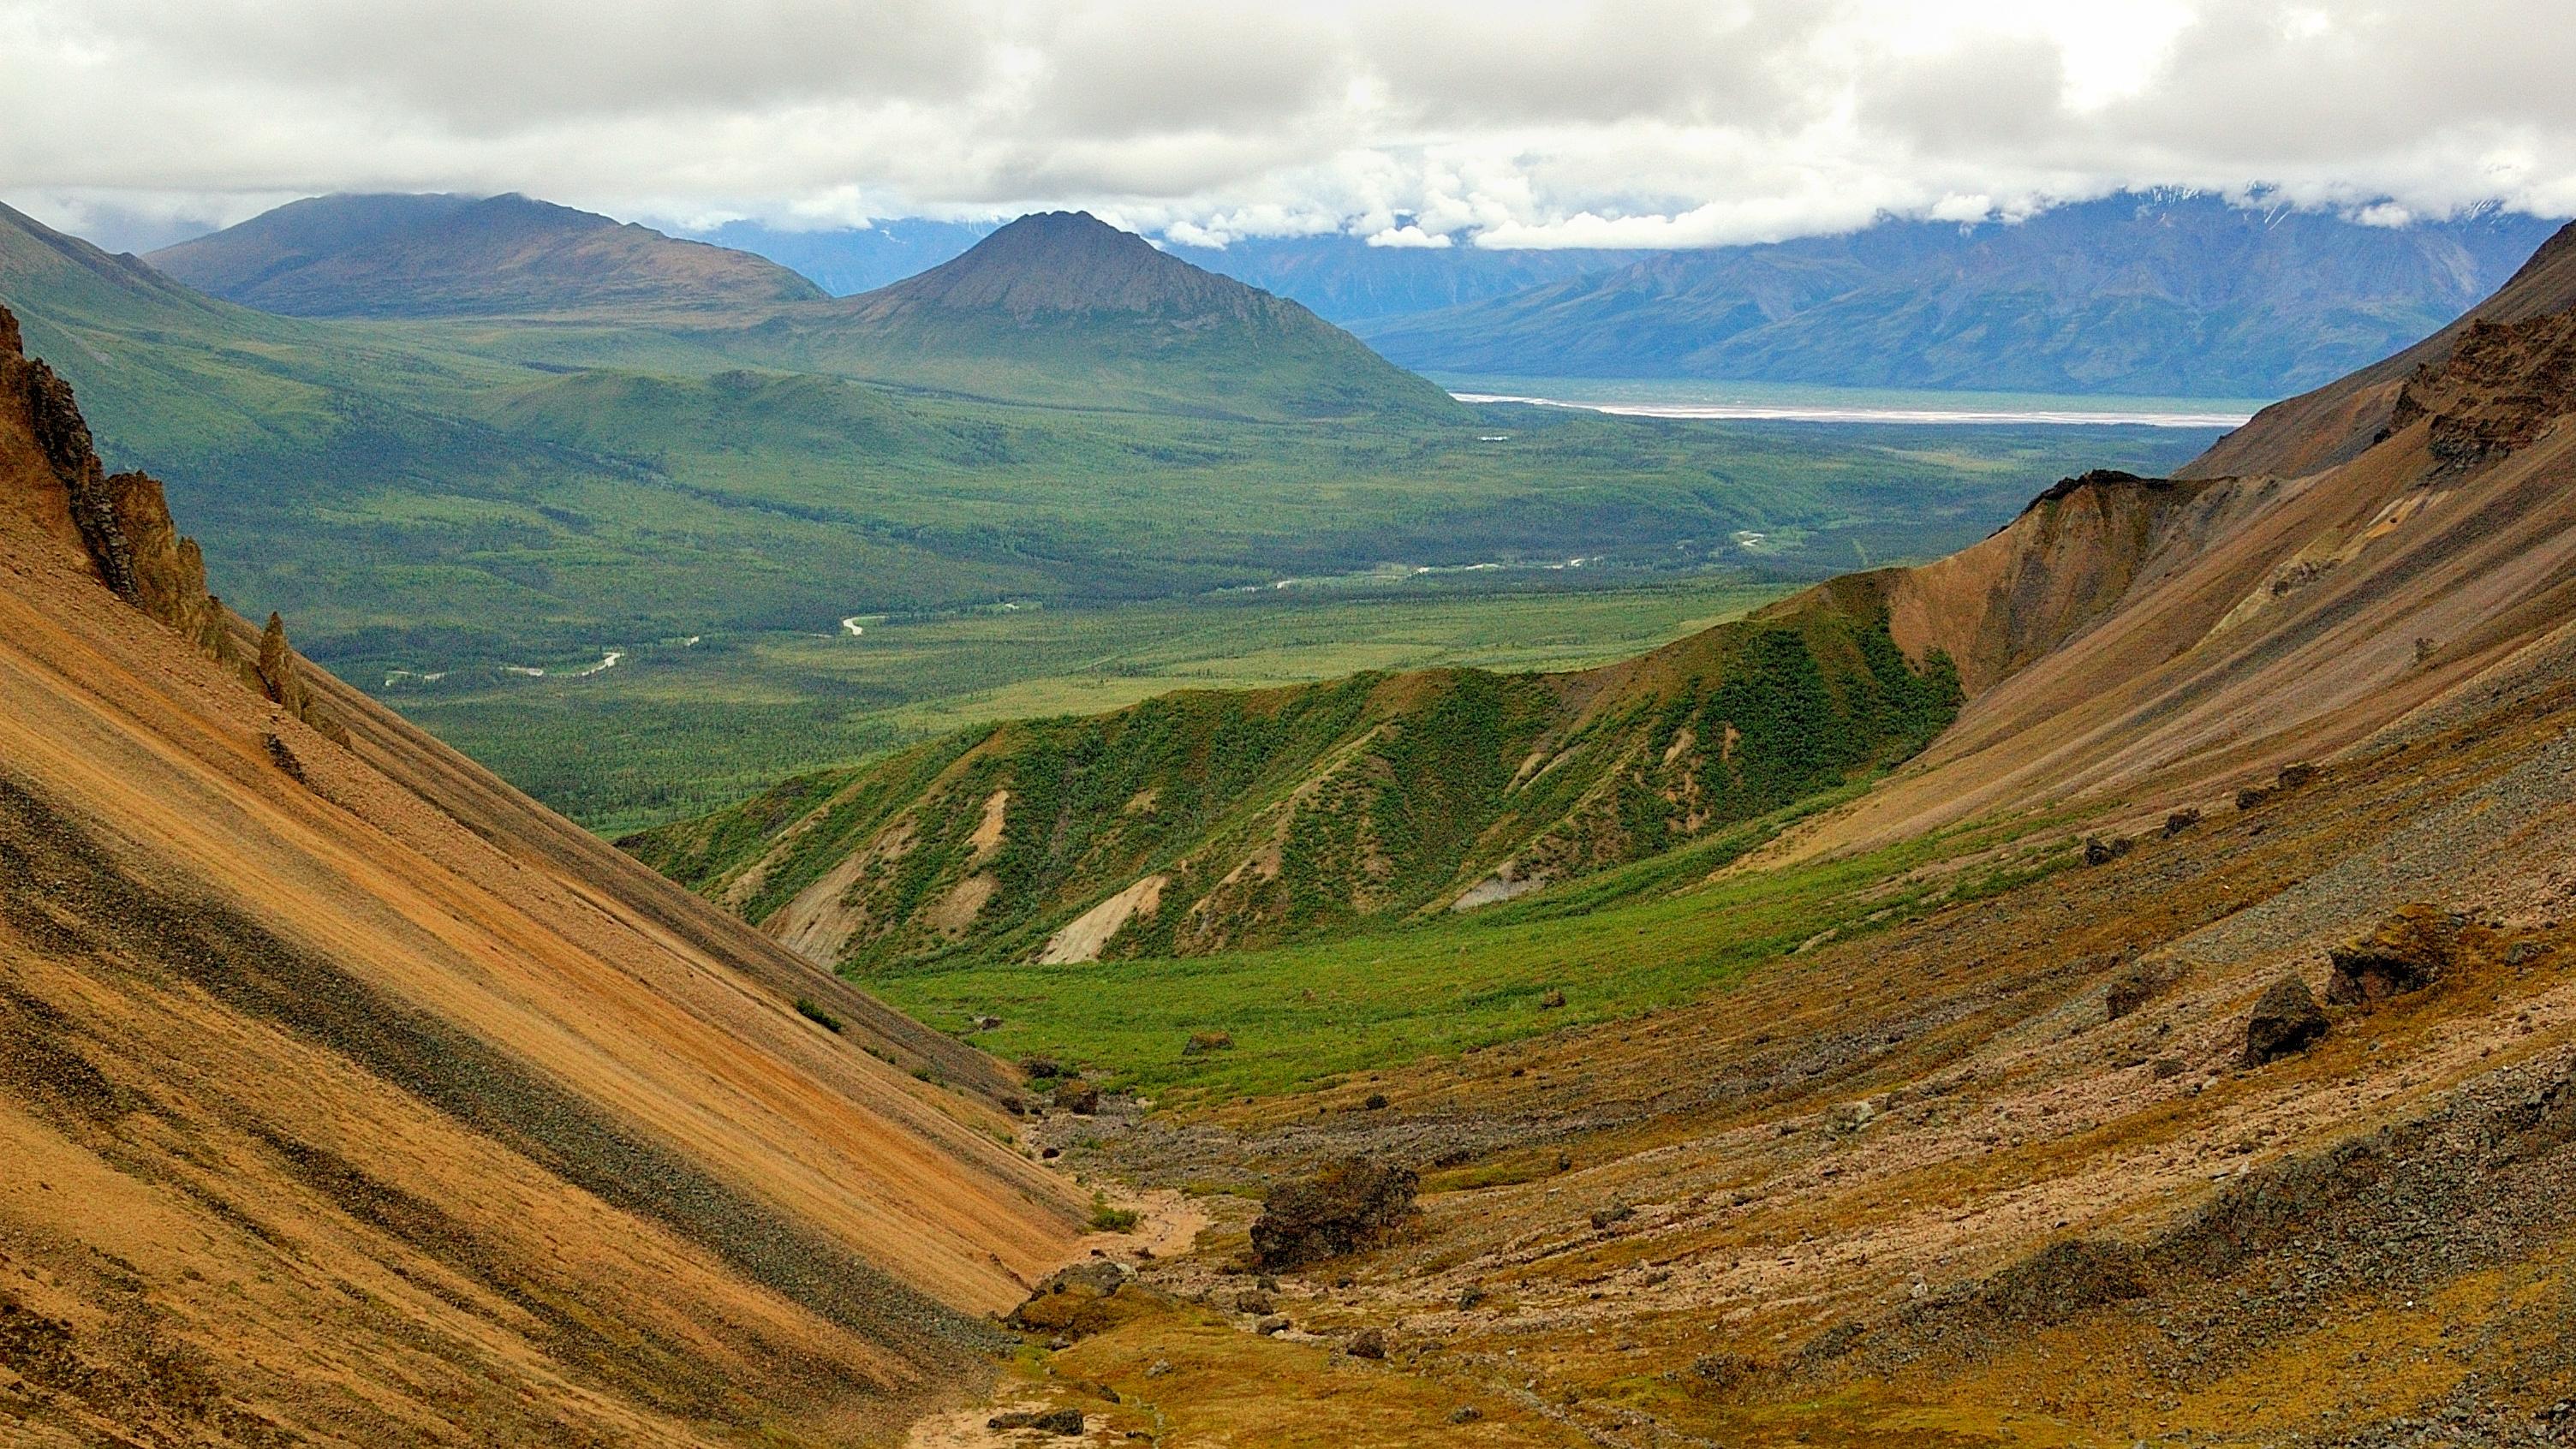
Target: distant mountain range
x=2138, y=294
x=2179, y=295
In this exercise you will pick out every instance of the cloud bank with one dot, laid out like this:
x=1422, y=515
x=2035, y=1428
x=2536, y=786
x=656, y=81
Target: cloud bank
x=1660, y=123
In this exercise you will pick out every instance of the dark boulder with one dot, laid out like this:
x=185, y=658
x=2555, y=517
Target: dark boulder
x=2099, y=851
x=2286, y=1020
x=2143, y=982
x=1066, y=1422
x=1349, y=1205
x=1368, y=1343
x=1077, y=1096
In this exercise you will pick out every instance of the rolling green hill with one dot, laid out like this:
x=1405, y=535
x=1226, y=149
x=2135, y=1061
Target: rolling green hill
x=1205, y=821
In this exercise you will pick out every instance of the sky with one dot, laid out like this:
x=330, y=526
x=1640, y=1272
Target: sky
x=1498, y=123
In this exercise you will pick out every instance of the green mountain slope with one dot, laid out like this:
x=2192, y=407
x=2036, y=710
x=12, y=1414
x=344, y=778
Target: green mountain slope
x=1204, y=821
x=459, y=256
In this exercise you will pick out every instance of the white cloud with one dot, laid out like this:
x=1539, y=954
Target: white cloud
x=1491, y=122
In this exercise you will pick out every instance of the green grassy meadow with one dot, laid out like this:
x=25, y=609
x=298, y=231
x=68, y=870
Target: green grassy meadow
x=1652, y=935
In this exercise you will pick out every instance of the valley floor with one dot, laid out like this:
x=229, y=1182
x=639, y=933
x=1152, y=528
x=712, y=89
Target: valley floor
x=1927, y=1186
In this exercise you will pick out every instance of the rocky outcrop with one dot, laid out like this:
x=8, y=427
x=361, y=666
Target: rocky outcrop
x=1350, y=1205
x=2502, y=386
x=2066, y=563
x=121, y=525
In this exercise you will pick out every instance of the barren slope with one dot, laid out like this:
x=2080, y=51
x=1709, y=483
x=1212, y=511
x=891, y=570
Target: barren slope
x=2259, y=619
x=347, y=1097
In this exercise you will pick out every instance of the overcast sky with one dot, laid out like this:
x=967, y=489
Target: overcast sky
x=1463, y=122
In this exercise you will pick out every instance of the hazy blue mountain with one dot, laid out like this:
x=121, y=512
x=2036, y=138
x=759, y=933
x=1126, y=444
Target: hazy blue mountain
x=846, y=261
x=1346, y=280
x=2137, y=294
x=1340, y=278
x=462, y=256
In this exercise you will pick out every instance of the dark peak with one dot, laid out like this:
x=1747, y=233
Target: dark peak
x=1065, y=228
x=1068, y=262
x=1062, y=240
x=12, y=345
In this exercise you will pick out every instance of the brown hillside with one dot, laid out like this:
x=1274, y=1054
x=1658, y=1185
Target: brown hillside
x=347, y=1097
x=2243, y=623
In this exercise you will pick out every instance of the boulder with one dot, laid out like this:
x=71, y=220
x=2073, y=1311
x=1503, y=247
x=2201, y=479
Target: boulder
x=1203, y=1042
x=1066, y=1422
x=2143, y=982
x=2407, y=952
x=1077, y=1096
x=1349, y=1205
x=1082, y=1300
x=2180, y=821
x=2286, y=1020
x=1368, y=1343
x=2098, y=851
x=1724, y=1371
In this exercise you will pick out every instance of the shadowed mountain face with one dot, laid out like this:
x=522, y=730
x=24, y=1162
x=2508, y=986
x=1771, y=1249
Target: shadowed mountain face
x=456, y=256
x=2139, y=295
x=347, y=1094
